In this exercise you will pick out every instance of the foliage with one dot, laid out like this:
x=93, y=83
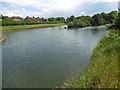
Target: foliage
x=98, y=20
x=82, y=21
x=59, y=19
x=117, y=22
x=8, y=22
x=103, y=68
x=112, y=16
x=95, y=20
x=52, y=19
x=71, y=18
x=20, y=27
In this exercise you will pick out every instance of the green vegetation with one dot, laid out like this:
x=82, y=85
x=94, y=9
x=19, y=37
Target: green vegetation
x=72, y=21
x=117, y=22
x=82, y=21
x=95, y=20
x=2, y=37
x=20, y=27
x=102, y=71
x=6, y=21
x=9, y=25
x=58, y=19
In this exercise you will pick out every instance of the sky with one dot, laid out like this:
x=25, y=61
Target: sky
x=56, y=8
x=119, y=4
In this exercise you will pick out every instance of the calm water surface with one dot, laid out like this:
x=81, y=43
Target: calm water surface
x=43, y=57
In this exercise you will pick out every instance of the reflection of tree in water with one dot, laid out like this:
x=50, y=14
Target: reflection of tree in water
x=95, y=30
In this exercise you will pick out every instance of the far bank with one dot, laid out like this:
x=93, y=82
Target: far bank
x=22, y=27
x=2, y=37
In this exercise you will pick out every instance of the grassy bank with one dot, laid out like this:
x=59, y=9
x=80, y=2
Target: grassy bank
x=21, y=27
x=102, y=71
x=2, y=37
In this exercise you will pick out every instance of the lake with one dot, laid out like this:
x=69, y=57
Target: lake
x=44, y=57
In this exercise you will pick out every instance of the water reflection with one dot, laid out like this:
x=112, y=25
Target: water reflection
x=43, y=57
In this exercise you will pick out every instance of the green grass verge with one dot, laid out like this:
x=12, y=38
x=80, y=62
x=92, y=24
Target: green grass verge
x=2, y=37
x=102, y=71
x=21, y=27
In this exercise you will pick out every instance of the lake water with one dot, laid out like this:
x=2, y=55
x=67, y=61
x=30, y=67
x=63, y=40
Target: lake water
x=44, y=57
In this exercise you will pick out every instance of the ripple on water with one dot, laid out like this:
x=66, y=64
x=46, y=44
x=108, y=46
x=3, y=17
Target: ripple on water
x=43, y=57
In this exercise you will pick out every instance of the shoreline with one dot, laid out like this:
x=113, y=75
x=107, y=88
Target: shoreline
x=25, y=27
x=102, y=71
x=3, y=39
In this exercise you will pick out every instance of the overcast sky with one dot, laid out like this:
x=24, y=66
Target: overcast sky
x=56, y=8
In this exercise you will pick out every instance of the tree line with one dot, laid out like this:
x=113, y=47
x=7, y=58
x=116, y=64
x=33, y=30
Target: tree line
x=95, y=20
x=116, y=25
x=72, y=21
x=8, y=22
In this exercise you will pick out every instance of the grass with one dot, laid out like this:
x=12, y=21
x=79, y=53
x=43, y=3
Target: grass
x=102, y=71
x=2, y=37
x=21, y=27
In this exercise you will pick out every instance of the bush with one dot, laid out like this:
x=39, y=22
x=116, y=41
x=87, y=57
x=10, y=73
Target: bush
x=7, y=22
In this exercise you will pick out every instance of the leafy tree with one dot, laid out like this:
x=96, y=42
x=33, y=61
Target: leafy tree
x=72, y=18
x=4, y=17
x=52, y=19
x=61, y=19
x=82, y=21
x=105, y=16
x=67, y=20
x=98, y=19
x=117, y=22
x=112, y=16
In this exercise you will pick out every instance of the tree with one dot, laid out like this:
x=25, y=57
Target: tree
x=67, y=19
x=72, y=18
x=61, y=19
x=98, y=19
x=112, y=16
x=105, y=16
x=4, y=17
x=117, y=22
x=52, y=19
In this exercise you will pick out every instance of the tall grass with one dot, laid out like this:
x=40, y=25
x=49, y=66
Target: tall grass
x=102, y=71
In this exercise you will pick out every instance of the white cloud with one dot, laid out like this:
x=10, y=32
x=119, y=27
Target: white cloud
x=47, y=7
x=21, y=12
x=11, y=12
x=23, y=9
x=53, y=4
x=82, y=13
